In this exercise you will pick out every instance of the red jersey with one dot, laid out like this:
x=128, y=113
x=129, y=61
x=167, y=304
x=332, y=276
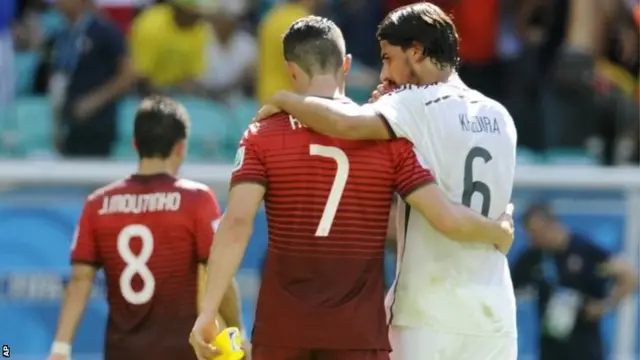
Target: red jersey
x=327, y=203
x=149, y=233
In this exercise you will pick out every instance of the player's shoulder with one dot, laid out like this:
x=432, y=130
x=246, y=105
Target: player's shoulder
x=271, y=125
x=193, y=186
x=116, y=187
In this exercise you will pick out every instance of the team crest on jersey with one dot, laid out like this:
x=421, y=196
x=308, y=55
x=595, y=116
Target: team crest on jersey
x=237, y=163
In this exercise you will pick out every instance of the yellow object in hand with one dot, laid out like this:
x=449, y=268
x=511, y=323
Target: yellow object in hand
x=229, y=342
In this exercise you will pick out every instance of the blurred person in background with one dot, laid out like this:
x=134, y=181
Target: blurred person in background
x=272, y=72
x=231, y=54
x=7, y=17
x=592, y=51
x=29, y=31
x=91, y=70
x=478, y=24
x=571, y=275
x=122, y=12
x=168, y=46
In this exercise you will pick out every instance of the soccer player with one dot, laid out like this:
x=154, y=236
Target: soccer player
x=327, y=203
x=151, y=233
x=451, y=300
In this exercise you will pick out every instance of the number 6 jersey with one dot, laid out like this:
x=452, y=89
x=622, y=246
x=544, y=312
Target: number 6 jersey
x=327, y=203
x=469, y=142
x=149, y=233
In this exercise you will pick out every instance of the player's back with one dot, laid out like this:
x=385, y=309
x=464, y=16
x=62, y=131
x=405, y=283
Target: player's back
x=145, y=233
x=327, y=204
x=469, y=141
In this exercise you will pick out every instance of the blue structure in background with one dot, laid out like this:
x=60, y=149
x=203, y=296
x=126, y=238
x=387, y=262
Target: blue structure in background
x=36, y=226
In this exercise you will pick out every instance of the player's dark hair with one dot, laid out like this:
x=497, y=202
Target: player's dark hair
x=315, y=44
x=538, y=210
x=160, y=123
x=426, y=24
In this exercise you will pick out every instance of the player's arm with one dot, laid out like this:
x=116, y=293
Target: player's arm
x=458, y=222
x=397, y=114
x=231, y=242
x=333, y=118
x=207, y=221
x=248, y=183
x=615, y=268
x=84, y=258
x=417, y=187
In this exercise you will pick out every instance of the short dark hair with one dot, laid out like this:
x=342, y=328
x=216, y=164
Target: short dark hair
x=538, y=210
x=160, y=123
x=315, y=44
x=426, y=24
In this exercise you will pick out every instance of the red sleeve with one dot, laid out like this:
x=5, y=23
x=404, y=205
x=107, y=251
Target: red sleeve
x=249, y=165
x=84, y=248
x=207, y=218
x=410, y=175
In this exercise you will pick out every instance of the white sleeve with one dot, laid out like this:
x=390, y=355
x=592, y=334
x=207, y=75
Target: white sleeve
x=403, y=111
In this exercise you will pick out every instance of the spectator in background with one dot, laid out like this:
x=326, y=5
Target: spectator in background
x=91, y=70
x=571, y=275
x=7, y=85
x=272, y=75
x=121, y=12
x=168, y=46
x=231, y=55
x=478, y=24
x=584, y=89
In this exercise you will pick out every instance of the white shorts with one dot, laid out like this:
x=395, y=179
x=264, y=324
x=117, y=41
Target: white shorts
x=426, y=344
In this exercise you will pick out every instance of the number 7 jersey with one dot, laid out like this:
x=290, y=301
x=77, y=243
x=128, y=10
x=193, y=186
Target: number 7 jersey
x=149, y=233
x=469, y=142
x=327, y=203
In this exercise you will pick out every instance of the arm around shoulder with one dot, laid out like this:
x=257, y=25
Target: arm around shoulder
x=458, y=222
x=333, y=118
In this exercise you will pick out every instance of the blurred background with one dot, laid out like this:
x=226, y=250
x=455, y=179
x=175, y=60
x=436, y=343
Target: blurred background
x=72, y=73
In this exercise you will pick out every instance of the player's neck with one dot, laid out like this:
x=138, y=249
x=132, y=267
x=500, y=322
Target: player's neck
x=325, y=86
x=441, y=76
x=155, y=166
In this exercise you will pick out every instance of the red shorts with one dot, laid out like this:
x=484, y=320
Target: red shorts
x=283, y=353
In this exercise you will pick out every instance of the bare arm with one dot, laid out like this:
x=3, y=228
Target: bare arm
x=231, y=242
x=457, y=221
x=625, y=279
x=230, y=307
x=332, y=118
x=75, y=301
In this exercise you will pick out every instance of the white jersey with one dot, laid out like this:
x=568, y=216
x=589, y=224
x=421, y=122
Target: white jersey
x=469, y=142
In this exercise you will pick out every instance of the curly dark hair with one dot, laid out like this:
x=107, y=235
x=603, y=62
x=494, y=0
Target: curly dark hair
x=426, y=24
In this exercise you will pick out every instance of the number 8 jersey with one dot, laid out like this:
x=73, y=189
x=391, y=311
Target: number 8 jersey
x=149, y=233
x=469, y=142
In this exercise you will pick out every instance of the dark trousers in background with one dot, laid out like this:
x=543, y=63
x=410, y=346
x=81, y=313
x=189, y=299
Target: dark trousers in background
x=87, y=144
x=577, y=347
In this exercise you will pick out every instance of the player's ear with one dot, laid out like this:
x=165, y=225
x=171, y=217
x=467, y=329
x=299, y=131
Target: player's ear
x=181, y=148
x=416, y=51
x=292, y=69
x=347, y=63
x=134, y=145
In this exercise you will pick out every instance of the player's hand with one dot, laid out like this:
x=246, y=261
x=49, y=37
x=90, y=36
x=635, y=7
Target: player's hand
x=59, y=357
x=266, y=111
x=506, y=223
x=246, y=347
x=379, y=91
x=86, y=107
x=203, y=332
